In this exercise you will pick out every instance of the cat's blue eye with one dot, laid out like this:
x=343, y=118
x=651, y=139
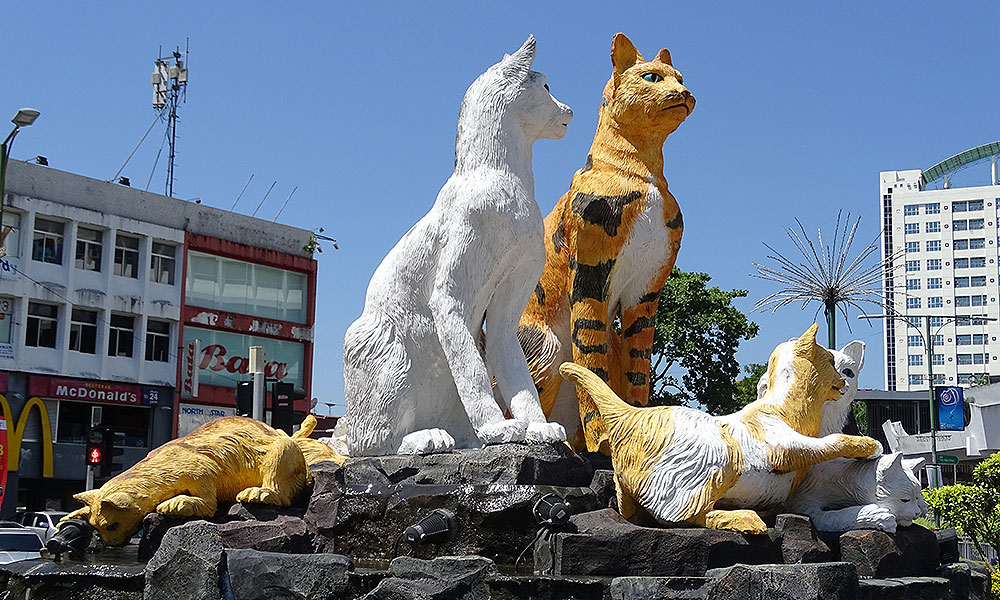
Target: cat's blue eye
x=848, y=373
x=653, y=77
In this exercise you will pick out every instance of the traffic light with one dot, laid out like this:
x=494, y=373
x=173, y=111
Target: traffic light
x=95, y=447
x=244, y=398
x=109, y=452
x=283, y=397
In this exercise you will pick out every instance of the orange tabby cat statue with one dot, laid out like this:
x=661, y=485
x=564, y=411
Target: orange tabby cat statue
x=610, y=244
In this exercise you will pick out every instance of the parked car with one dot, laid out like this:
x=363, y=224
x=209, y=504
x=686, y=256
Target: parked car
x=42, y=522
x=19, y=543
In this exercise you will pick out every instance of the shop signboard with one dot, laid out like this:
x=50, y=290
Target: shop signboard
x=193, y=416
x=225, y=357
x=88, y=391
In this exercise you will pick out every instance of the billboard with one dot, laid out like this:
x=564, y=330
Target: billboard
x=224, y=357
x=950, y=407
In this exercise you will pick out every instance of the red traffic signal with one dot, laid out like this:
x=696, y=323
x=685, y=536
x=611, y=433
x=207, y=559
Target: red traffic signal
x=94, y=456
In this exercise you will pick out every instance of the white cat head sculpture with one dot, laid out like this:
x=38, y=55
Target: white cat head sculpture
x=898, y=489
x=523, y=97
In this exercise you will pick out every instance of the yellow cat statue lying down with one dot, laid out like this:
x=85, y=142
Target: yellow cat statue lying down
x=232, y=459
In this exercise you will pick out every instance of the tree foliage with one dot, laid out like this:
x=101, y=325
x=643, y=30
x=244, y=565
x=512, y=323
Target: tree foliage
x=973, y=508
x=746, y=388
x=698, y=330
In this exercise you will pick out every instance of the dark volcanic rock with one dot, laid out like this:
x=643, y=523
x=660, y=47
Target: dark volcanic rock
x=44, y=578
x=665, y=588
x=964, y=581
x=798, y=540
x=911, y=551
x=948, y=545
x=187, y=564
x=282, y=534
x=154, y=527
x=819, y=581
x=494, y=521
x=603, y=485
x=905, y=588
x=255, y=575
x=603, y=543
x=447, y=577
x=545, y=587
x=502, y=464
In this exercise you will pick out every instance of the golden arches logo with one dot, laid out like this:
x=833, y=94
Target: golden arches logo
x=14, y=438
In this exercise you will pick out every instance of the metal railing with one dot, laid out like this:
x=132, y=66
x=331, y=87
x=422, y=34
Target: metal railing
x=967, y=550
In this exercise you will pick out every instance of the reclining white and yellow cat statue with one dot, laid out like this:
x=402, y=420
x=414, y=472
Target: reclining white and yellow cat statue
x=418, y=366
x=683, y=465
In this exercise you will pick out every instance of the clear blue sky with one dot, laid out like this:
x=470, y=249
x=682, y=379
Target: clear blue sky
x=800, y=105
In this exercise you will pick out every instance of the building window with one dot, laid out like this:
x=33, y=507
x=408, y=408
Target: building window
x=120, y=336
x=13, y=240
x=979, y=339
x=48, y=242
x=913, y=246
x=913, y=303
x=959, y=206
x=961, y=263
x=911, y=210
x=127, y=256
x=74, y=423
x=83, y=331
x=42, y=322
x=964, y=378
x=161, y=266
x=963, y=340
x=914, y=341
x=975, y=224
x=977, y=243
x=967, y=321
x=964, y=359
x=913, y=284
x=975, y=205
x=932, y=209
x=960, y=225
x=934, y=245
x=911, y=228
x=937, y=340
x=979, y=300
x=961, y=282
x=915, y=360
x=933, y=227
x=934, y=264
x=6, y=312
x=937, y=360
x=934, y=302
x=158, y=340
x=934, y=283
x=978, y=281
x=916, y=379
x=246, y=288
x=88, y=249
x=937, y=321
x=977, y=262
x=961, y=244
x=980, y=359
x=912, y=265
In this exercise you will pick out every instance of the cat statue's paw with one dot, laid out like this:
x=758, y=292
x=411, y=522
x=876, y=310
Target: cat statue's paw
x=503, y=432
x=876, y=517
x=427, y=441
x=545, y=433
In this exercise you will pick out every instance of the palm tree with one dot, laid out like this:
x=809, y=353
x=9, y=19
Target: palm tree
x=825, y=274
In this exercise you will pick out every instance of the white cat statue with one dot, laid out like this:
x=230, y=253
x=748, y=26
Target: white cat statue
x=418, y=364
x=845, y=493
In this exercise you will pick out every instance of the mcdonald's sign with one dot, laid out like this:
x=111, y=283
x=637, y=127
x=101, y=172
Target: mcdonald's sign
x=14, y=438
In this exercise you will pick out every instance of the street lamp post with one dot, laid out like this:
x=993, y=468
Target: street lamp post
x=23, y=118
x=928, y=339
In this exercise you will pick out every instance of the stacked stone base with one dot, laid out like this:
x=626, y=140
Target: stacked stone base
x=343, y=541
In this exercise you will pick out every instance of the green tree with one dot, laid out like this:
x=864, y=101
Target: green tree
x=746, y=388
x=973, y=508
x=697, y=330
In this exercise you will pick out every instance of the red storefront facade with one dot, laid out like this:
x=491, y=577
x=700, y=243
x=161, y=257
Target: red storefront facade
x=236, y=296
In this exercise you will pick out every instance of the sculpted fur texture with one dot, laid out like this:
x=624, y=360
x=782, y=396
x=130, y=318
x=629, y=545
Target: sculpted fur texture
x=232, y=459
x=610, y=244
x=418, y=368
x=682, y=465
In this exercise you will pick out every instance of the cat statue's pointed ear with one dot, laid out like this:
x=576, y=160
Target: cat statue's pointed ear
x=890, y=461
x=805, y=346
x=623, y=53
x=913, y=464
x=520, y=62
x=856, y=350
x=663, y=56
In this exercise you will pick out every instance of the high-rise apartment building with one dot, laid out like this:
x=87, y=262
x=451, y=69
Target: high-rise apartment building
x=945, y=248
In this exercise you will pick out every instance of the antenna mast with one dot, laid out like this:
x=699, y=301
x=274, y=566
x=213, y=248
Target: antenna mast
x=169, y=90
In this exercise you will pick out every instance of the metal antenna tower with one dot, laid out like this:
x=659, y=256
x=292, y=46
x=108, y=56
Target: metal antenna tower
x=170, y=89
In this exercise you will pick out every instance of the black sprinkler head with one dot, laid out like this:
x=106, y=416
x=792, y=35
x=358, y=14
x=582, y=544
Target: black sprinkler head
x=72, y=538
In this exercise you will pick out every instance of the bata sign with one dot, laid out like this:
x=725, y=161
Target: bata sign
x=93, y=391
x=223, y=358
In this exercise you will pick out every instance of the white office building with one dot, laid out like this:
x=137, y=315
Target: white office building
x=944, y=240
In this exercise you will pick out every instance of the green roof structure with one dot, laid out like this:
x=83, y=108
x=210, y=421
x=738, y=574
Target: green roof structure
x=958, y=161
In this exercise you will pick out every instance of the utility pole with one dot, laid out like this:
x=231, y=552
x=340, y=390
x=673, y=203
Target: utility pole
x=257, y=369
x=95, y=419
